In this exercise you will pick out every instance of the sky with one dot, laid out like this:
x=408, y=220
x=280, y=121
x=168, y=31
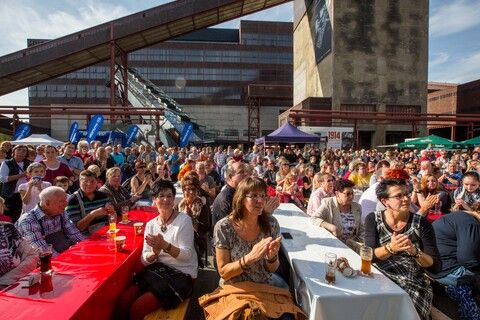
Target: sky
x=454, y=30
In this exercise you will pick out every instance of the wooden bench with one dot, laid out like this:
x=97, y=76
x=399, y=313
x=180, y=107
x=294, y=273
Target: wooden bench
x=174, y=314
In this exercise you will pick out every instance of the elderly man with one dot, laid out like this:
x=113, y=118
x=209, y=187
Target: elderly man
x=327, y=183
x=48, y=223
x=88, y=208
x=207, y=183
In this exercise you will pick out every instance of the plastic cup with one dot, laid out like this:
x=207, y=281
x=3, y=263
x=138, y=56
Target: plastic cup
x=138, y=228
x=119, y=242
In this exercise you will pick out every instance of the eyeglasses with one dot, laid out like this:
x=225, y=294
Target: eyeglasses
x=190, y=190
x=256, y=196
x=401, y=196
x=165, y=196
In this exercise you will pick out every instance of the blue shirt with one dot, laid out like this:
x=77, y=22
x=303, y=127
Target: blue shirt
x=73, y=162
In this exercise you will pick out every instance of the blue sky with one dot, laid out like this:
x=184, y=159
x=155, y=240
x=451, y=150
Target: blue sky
x=454, y=43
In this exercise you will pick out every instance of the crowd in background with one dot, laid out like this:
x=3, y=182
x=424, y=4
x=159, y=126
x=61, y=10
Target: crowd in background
x=98, y=180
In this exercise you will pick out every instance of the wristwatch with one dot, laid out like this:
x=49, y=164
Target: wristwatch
x=419, y=252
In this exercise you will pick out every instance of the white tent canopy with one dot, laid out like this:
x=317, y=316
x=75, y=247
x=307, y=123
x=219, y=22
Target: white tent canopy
x=38, y=139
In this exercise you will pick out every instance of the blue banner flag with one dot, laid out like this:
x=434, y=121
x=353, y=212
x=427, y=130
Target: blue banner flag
x=131, y=135
x=23, y=130
x=94, y=126
x=186, y=133
x=73, y=133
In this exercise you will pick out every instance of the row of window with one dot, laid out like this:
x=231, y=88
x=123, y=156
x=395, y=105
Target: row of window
x=97, y=91
x=199, y=74
x=213, y=133
x=278, y=40
x=212, y=56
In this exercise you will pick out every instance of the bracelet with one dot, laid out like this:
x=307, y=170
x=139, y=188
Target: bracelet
x=418, y=254
x=275, y=258
x=241, y=264
x=244, y=263
x=389, y=249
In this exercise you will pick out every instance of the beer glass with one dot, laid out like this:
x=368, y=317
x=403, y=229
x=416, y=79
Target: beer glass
x=366, y=253
x=330, y=266
x=45, y=256
x=125, y=211
x=112, y=220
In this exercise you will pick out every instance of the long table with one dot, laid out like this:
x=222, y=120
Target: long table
x=349, y=298
x=87, y=279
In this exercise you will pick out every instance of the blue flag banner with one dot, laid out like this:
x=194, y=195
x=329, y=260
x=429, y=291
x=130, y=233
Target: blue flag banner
x=94, y=126
x=186, y=133
x=131, y=135
x=23, y=130
x=73, y=132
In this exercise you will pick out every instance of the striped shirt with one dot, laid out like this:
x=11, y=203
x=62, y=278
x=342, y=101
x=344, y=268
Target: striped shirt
x=30, y=227
x=74, y=210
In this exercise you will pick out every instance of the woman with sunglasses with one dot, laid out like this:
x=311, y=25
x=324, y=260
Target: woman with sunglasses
x=403, y=243
x=141, y=182
x=340, y=215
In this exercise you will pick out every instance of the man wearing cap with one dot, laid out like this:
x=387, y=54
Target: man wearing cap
x=13, y=174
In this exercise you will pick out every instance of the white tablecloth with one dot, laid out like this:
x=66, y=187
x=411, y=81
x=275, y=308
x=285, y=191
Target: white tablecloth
x=357, y=298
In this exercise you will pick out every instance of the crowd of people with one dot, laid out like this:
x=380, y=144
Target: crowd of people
x=418, y=210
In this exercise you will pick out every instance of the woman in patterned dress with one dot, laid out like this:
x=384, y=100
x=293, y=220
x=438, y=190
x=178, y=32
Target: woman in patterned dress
x=403, y=244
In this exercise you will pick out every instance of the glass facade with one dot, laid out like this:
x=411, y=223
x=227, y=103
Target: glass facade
x=209, y=72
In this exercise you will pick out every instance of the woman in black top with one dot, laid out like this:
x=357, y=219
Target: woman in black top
x=403, y=243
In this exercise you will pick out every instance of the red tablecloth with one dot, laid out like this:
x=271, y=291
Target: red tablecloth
x=87, y=279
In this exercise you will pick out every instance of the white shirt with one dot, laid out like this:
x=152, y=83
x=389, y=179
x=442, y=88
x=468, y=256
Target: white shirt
x=34, y=195
x=180, y=234
x=368, y=201
x=4, y=172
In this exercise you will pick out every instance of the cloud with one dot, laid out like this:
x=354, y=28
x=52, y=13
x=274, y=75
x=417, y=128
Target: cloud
x=438, y=59
x=455, y=16
x=17, y=98
x=459, y=70
x=21, y=20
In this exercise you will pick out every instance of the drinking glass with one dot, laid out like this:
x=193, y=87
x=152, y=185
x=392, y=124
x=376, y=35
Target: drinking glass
x=112, y=220
x=330, y=266
x=45, y=256
x=125, y=211
x=366, y=254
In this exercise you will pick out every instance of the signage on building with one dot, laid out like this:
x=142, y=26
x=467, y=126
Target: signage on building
x=336, y=137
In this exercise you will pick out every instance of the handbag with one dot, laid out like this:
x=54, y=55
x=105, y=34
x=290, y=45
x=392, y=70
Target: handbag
x=169, y=285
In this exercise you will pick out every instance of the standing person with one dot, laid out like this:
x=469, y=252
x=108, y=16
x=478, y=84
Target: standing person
x=13, y=174
x=206, y=182
x=169, y=256
x=175, y=162
x=30, y=190
x=75, y=164
x=83, y=153
x=55, y=167
x=48, y=223
x=87, y=207
x=403, y=244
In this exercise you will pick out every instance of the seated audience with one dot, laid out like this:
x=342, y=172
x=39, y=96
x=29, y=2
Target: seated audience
x=325, y=190
x=48, y=223
x=467, y=197
x=142, y=182
x=169, y=256
x=118, y=195
x=340, y=215
x=87, y=207
x=403, y=243
x=457, y=236
x=17, y=256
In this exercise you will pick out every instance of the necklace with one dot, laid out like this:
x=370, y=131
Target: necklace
x=163, y=225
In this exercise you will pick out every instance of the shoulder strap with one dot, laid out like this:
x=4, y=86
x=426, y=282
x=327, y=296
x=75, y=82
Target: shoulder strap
x=80, y=203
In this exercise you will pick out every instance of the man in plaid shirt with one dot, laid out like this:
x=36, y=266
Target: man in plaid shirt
x=48, y=223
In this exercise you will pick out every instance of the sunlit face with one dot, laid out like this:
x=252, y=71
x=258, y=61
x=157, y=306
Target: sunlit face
x=69, y=150
x=432, y=183
x=164, y=200
x=63, y=185
x=254, y=202
x=328, y=184
x=398, y=199
x=470, y=184
x=56, y=204
x=115, y=179
x=345, y=197
x=51, y=153
x=88, y=184
x=37, y=172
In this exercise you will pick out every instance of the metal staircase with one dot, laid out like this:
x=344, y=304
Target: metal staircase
x=143, y=93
